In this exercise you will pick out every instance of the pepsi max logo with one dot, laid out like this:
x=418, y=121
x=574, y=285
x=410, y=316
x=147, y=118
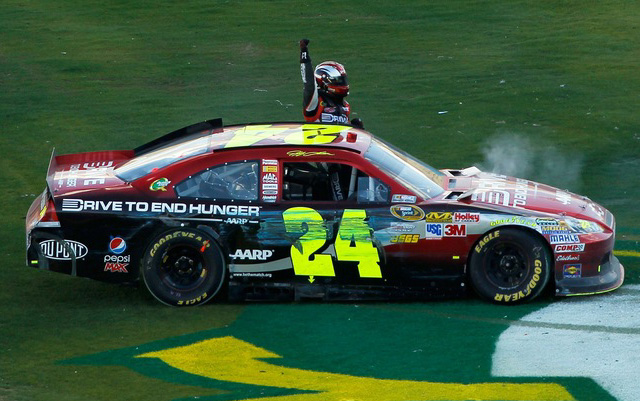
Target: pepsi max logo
x=117, y=245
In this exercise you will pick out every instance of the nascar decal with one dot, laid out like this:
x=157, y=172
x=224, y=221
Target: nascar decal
x=399, y=198
x=79, y=205
x=407, y=212
x=353, y=243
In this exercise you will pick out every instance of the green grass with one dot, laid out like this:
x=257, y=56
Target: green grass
x=93, y=75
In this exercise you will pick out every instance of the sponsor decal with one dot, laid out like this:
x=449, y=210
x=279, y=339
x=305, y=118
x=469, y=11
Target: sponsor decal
x=236, y=220
x=439, y=217
x=269, y=162
x=79, y=205
x=487, y=238
x=559, y=229
x=563, y=197
x=269, y=198
x=302, y=153
x=251, y=254
x=455, y=230
x=270, y=169
x=397, y=198
x=56, y=250
x=564, y=238
x=466, y=217
x=251, y=274
x=270, y=178
x=567, y=258
x=160, y=184
x=402, y=227
x=116, y=263
x=572, y=271
x=330, y=118
x=513, y=220
x=545, y=221
x=117, y=245
x=565, y=248
x=495, y=192
x=270, y=186
x=270, y=192
x=433, y=230
x=405, y=238
x=407, y=212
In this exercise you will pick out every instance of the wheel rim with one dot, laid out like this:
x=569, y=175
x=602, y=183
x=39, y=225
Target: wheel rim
x=183, y=268
x=507, y=265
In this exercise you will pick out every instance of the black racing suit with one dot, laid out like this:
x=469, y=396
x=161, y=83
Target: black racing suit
x=318, y=106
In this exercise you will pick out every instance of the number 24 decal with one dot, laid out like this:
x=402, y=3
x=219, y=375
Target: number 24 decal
x=353, y=243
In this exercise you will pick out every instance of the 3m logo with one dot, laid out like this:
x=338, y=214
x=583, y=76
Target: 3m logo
x=455, y=230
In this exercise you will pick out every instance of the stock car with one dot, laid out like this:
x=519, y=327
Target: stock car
x=291, y=211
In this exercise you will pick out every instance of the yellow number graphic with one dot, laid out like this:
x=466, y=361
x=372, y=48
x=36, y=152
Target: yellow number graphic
x=253, y=133
x=354, y=243
x=314, y=134
x=309, y=222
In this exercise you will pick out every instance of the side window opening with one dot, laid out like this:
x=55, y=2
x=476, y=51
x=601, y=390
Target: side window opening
x=238, y=181
x=313, y=181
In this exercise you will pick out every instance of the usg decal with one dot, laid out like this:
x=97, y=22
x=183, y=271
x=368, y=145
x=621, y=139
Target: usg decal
x=433, y=230
x=56, y=250
x=252, y=254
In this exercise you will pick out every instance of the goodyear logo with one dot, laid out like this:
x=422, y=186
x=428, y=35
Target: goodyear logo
x=407, y=212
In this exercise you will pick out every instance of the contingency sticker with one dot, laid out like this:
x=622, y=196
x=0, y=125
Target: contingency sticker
x=270, y=180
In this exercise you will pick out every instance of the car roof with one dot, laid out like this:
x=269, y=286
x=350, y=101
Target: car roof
x=262, y=134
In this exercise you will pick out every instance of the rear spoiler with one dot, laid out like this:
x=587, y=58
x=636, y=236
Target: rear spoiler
x=53, y=165
x=209, y=125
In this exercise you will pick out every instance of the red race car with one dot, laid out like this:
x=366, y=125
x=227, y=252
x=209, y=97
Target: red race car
x=290, y=211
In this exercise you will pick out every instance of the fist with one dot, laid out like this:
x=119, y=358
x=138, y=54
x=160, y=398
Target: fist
x=304, y=43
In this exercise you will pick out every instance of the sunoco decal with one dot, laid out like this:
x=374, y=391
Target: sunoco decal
x=160, y=184
x=58, y=250
x=407, y=212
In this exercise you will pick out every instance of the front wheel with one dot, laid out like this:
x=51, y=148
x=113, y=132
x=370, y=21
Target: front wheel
x=509, y=266
x=183, y=267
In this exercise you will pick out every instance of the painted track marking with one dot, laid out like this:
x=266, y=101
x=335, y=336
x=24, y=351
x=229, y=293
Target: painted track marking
x=596, y=337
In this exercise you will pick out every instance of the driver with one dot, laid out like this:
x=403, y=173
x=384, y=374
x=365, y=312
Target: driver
x=324, y=91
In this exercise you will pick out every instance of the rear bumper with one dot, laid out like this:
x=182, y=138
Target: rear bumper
x=610, y=277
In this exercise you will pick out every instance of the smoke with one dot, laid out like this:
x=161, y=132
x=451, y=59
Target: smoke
x=519, y=156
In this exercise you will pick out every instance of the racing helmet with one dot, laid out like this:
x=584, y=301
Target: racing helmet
x=331, y=77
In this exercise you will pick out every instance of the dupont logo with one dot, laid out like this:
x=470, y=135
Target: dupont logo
x=117, y=245
x=63, y=250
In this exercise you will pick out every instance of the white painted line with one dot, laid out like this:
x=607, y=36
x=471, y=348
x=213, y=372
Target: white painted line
x=596, y=337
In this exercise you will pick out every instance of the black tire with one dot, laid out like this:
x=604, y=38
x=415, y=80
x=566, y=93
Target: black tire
x=183, y=267
x=509, y=266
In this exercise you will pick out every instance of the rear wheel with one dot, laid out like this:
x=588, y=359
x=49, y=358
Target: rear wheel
x=183, y=267
x=509, y=266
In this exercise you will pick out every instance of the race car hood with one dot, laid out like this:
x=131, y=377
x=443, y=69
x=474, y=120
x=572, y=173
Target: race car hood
x=503, y=192
x=80, y=172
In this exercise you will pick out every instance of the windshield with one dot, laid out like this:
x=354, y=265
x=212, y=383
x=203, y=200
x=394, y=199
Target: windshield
x=157, y=159
x=421, y=178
